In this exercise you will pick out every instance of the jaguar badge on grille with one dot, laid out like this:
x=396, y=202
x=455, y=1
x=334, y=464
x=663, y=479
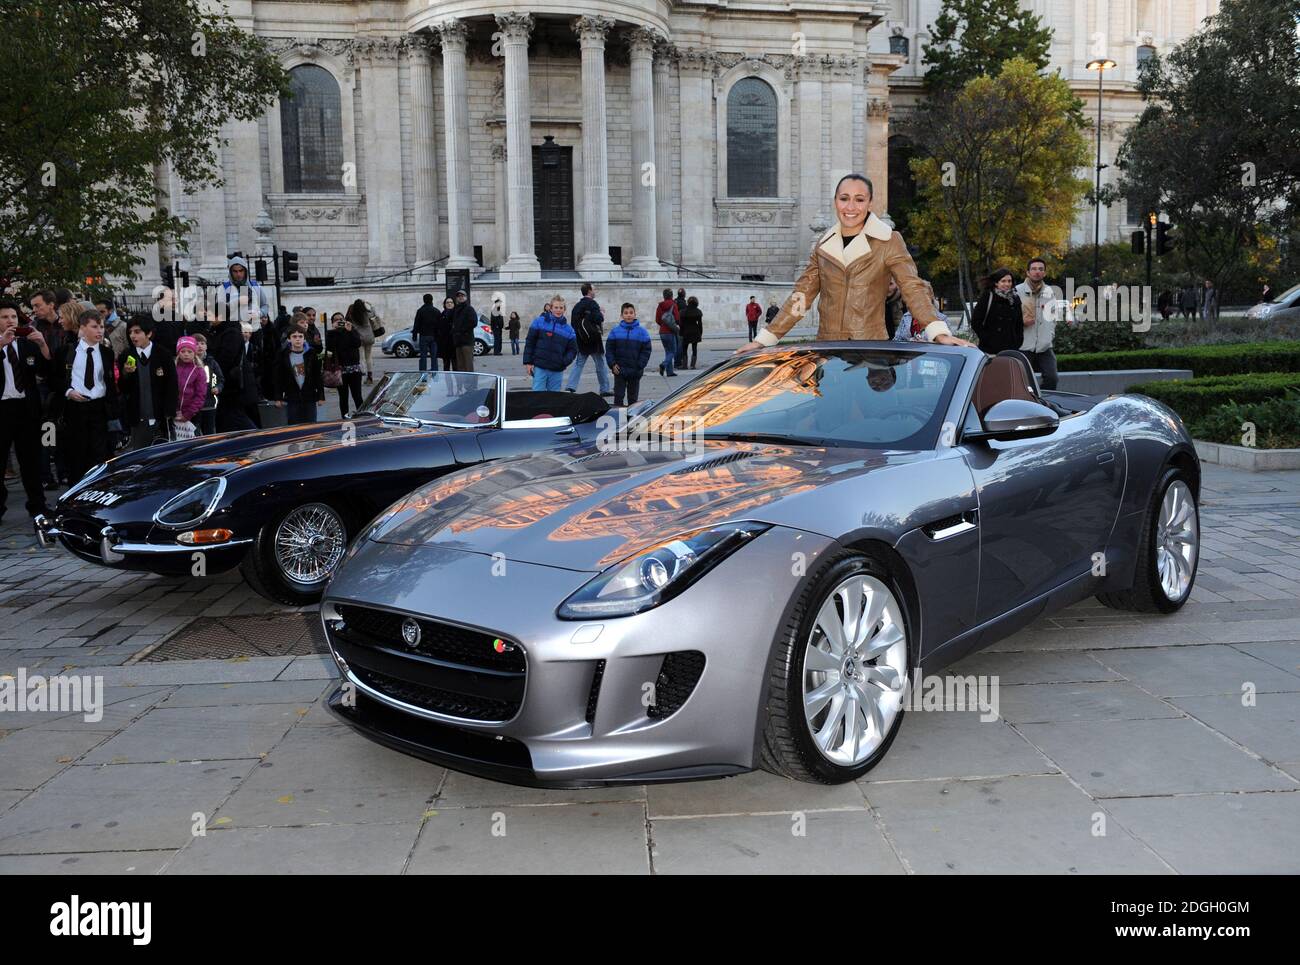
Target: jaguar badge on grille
x=411, y=633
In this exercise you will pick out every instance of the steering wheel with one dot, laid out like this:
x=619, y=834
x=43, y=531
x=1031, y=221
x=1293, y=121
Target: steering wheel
x=913, y=411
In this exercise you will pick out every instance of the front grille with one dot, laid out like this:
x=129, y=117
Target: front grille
x=594, y=694
x=452, y=670
x=677, y=679
x=439, y=701
x=441, y=641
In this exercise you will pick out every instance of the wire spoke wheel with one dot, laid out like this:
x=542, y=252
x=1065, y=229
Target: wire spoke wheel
x=309, y=543
x=854, y=670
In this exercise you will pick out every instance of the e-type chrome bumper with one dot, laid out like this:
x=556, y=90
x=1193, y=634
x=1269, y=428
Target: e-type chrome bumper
x=112, y=549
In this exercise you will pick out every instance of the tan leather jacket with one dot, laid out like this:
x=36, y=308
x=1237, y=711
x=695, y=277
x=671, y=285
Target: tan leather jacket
x=852, y=285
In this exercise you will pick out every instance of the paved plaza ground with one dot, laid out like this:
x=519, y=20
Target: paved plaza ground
x=1124, y=745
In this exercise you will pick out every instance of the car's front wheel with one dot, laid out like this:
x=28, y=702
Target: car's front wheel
x=403, y=350
x=1168, y=552
x=295, y=554
x=838, y=680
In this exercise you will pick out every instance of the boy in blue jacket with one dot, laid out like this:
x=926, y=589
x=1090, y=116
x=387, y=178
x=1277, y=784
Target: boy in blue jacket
x=551, y=346
x=627, y=351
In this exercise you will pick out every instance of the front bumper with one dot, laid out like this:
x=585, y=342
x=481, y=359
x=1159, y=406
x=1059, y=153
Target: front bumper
x=98, y=542
x=674, y=693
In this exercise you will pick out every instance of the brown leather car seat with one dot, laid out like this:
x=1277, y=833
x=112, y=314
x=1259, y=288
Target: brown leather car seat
x=1003, y=377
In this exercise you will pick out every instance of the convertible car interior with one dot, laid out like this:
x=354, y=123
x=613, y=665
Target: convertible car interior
x=1008, y=375
x=578, y=407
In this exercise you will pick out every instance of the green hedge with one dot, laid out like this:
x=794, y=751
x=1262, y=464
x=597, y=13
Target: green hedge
x=1201, y=359
x=1276, y=423
x=1194, y=399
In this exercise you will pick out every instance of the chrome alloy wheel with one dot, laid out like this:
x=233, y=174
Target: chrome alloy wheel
x=309, y=543
x=1177, y=541
x=855, y=670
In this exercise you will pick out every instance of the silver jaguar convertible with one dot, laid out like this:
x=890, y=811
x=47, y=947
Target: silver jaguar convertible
x=747, y=573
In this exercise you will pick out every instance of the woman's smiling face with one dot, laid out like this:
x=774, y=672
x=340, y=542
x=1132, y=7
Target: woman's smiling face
x=852, y=202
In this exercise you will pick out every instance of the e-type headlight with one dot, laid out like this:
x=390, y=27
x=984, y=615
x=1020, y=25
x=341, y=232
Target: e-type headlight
x=657, y=574
x=192, y=505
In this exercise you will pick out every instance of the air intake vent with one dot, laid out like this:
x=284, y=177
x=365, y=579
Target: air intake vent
x=677, y=679
x=712, y=463
x=594, y=695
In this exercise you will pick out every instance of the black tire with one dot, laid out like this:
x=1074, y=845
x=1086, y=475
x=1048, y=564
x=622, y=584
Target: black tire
x=787, y=747
x=403, y=350
x=1146, y=595
x=264, y=574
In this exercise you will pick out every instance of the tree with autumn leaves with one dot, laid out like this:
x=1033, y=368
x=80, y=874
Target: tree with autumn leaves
x=997, y=172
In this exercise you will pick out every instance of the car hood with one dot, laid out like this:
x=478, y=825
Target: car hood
x=585, y=510
x=154, y=474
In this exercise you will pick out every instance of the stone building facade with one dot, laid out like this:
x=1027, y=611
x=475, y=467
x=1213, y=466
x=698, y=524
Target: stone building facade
x=611, y=138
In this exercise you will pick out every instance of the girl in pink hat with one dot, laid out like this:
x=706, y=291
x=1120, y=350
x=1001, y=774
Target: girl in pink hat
x=191, y=387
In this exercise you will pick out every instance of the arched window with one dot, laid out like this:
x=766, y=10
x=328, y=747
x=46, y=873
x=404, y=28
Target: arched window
x=751, y=139
x=311, y=132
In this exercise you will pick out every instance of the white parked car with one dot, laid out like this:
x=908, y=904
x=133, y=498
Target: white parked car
x=1287, y=301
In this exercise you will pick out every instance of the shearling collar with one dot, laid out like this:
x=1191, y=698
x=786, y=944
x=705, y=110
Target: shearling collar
x=833, y=241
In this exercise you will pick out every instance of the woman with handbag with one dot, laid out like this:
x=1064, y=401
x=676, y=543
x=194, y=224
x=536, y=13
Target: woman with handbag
x=997, y=318
x=343, y=362
x=364, y=324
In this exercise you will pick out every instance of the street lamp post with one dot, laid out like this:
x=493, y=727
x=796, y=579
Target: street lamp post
x=1100, y=65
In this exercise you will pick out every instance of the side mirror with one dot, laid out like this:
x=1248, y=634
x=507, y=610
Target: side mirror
x=1017, y=419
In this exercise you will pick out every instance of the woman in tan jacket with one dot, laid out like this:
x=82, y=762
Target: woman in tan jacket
x=849, y=271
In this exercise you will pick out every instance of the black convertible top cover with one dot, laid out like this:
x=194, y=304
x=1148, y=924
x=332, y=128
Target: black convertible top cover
x=578, y=406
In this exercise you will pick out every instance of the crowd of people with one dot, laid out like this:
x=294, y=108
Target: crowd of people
x=558, y=346
x=81, y=381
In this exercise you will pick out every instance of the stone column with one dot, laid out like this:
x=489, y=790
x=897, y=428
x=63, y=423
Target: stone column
x=664, y=186
x=814, y=197
x=244, y=182
x=211, y=248
x=424, y=173
x=644, y=175
x=698, y=144
x=842, y=70
x=522, y=264
x=503, y=204
x=455, y=122
x=595, y=261
x=877, y=160
x=386, y=248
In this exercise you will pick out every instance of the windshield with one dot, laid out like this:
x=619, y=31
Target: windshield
x=874, y=399
x=446, y=398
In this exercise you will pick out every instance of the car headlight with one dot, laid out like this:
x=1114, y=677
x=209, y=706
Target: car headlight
x=657, y=574
x=192, y=505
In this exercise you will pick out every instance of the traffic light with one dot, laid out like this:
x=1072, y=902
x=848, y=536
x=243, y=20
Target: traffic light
x=289, y=266
x=259, y=271
x=1165, y=239
x=168, y=276
x=1139, y=242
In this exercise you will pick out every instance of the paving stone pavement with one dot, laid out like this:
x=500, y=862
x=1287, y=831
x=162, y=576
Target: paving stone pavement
x=1126, y=744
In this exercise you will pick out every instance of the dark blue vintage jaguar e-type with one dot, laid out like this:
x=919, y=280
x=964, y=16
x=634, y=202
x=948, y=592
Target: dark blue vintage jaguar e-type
x=283, y=503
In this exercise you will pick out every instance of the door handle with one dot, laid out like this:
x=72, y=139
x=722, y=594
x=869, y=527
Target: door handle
x=1105, y=457
x=570, y=431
